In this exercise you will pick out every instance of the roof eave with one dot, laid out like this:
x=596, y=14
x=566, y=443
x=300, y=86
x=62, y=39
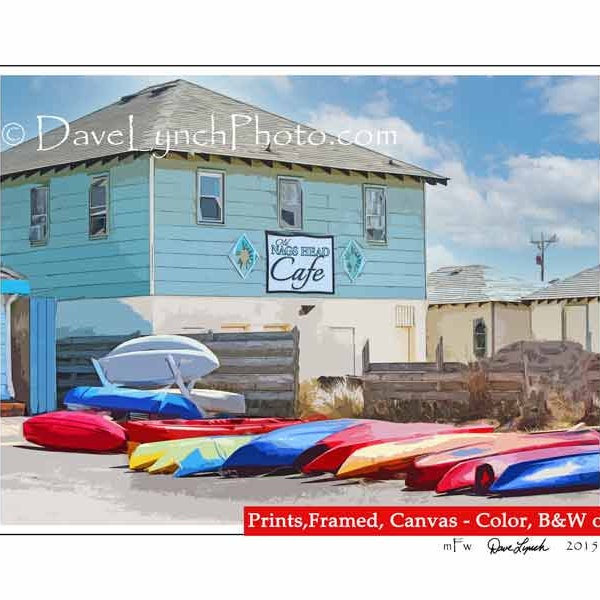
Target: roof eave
x=429, y=178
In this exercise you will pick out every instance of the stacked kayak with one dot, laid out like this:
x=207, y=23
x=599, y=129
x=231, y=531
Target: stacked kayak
x=328, y=455
x=561, y=473
x=143, y=432
x=121, y=399
x=186, y=456
x=426, y=472
x=75, y=431
x=393, y=459
x=478, y=474
x=280, y=449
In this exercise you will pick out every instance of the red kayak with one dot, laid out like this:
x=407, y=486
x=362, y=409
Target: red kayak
x=427, y=471
x=480, y=473
x=330, y=453
x=75, y=431
x=143, y=432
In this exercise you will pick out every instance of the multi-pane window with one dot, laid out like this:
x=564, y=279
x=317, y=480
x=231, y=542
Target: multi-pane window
x=98, y=221
x=479, y=338
x=290, y=202
x=209, y=207
x=375, y=221
x=38, y=223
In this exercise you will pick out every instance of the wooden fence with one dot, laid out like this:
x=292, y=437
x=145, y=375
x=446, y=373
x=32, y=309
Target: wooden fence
x=261, y=365
x=530, y=383
x=417, y=391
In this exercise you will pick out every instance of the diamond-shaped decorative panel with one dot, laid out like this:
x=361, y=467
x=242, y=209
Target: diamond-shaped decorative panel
x=353, y=260
x=243, y=256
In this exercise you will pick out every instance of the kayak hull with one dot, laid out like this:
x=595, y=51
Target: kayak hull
x=143, y=432
x=464, y=475
x=330, y=453
x=75, y=432
x=210, y=456
x=280, y=449
x=166, y=457
x=560, y=474
x=133, y=400
x=143, y=361
x=427, y=471
x=389, y=459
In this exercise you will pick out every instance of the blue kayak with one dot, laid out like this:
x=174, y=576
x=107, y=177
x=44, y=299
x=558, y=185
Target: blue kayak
x=279, y=449
x=133, y=400
x=210, y=453
x=558, y=474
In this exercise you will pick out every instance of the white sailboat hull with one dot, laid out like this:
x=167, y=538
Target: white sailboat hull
x=145, y=361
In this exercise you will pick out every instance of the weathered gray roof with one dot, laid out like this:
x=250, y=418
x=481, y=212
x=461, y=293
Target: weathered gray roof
x=585, y=284
x=475, y=283
x=180, y=105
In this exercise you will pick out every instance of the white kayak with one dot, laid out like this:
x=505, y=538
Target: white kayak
x=217, y=401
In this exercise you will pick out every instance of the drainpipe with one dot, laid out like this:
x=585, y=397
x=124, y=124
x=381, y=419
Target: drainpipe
x=588, y=333
x=493, y=332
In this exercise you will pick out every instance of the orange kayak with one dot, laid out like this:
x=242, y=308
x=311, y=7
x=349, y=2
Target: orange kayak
x=389, y=459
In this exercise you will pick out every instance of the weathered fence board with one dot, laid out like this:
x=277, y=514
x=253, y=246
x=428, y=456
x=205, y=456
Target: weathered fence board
x=261, y=365
x=527, y=381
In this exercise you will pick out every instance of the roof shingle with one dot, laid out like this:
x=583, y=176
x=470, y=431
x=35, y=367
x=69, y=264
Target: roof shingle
x=585, y=284
x=475, y=283
x=183, y=106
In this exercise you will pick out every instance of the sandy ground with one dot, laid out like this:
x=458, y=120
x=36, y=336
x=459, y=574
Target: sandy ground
x=42, y=487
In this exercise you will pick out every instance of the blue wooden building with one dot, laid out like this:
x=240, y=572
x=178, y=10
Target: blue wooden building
x=177, y=209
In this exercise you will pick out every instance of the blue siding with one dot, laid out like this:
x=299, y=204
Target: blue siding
x=71, y=265
x=192, y=259
x=4, y=395
x=42, y=348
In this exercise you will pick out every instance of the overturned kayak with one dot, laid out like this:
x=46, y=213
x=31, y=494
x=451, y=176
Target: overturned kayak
x=331, y=452
x=559, y=474
x=143, y=432
x=75, y=431
x=428, y=470
x=132, y=400
x=145, y=456
x=176, y=429
x=393, y=458
x=165, y=457
x=211, y=454
x=279, y=449
x=479, y=473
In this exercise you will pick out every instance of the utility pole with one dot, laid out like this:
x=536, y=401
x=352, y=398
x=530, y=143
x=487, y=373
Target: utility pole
x=541, y=245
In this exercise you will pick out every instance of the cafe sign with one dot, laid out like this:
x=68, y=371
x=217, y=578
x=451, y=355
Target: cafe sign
x=299, y=263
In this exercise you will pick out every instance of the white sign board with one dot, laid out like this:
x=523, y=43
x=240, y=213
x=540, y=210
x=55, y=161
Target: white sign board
x=299, y=264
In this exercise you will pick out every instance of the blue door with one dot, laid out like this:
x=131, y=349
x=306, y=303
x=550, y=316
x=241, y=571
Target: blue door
x=4, y=391
x=42, y=355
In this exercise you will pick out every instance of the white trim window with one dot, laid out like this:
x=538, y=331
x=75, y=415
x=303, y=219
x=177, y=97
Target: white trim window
x=289, y=200
x=210, y=200
x=38, y=222
x=375, y=214
x=98, y=207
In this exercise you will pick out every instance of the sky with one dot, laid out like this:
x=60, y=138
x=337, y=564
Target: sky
x=522, y=153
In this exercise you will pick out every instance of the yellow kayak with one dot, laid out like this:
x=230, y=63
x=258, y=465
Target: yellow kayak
x=391, y=458
x=164, y=457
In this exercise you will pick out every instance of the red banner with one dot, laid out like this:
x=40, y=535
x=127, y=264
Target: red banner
x=414, y=521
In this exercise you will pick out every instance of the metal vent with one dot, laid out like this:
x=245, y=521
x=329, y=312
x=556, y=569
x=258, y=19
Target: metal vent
x=405, y=315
